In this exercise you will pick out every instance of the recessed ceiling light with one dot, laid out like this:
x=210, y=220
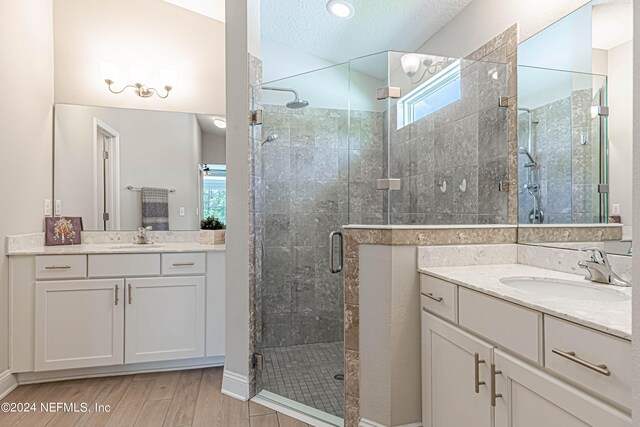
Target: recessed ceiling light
x=219, y=122
x=341, y=9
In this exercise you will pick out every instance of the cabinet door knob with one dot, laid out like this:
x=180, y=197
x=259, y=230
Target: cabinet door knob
x=494, y=395
x=477, y=362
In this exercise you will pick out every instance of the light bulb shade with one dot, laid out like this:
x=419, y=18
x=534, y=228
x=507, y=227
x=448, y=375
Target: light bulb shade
x=168, y=77
x=410, y=63
x=109, y=71
x=139, y=74
x=220, y=123
x=342, y=9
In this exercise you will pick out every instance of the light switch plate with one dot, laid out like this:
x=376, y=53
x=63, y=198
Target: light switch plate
x=58, y=207
x=181, y=211
x=47, y=207
x=615, y=209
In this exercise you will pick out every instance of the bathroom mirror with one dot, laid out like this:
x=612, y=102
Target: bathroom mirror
x=120, y=169
x=574, y=128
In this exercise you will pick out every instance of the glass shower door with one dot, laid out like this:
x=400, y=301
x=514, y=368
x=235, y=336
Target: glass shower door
x=301, y=180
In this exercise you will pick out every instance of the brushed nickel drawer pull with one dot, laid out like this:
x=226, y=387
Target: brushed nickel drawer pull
x=57, y=267
x=117, y=292
x=130, y=297
x=183, y=264
x=477, y=362
x=571, y=355
x=438, y=299
x=494, y=395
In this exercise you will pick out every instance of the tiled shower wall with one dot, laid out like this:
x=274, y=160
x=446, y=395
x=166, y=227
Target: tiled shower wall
x=466, y=140
x=569, y=171
x=307, y=174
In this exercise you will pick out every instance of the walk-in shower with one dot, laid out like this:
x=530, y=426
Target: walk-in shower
x=532, y=167
x=328, y=168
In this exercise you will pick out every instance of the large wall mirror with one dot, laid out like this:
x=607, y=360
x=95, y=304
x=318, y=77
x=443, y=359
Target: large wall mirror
x=121, y=169
x=574, y=124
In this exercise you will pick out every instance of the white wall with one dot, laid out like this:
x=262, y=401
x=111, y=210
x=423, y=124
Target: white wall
x=26, y=84
x=484, y=19
x=635, y=383
x=157, y=149
x=214, y=149
x=621, y=107
x=150, y=33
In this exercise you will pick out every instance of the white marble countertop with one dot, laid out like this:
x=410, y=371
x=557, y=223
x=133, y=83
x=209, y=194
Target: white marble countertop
x=117, y=248
x=613, y=317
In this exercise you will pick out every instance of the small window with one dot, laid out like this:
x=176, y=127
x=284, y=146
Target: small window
x=436, y=93
x=214, y=192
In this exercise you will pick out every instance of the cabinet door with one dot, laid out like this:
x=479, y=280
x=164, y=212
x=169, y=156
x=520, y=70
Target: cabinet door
x=165, y=319
x=449, y=393
x=79, y=324
x=533, y=398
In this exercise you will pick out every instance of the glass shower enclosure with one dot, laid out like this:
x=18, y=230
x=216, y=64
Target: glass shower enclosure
x=390, y=138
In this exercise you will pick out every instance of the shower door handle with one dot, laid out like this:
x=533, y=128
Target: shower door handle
x=332, y=267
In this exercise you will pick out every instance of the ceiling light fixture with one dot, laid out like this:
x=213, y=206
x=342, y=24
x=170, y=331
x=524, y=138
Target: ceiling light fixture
x=220, y=122
x=342, y=9
x=111, y=73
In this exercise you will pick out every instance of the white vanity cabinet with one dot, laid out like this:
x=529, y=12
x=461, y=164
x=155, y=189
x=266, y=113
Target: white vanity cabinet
x=165, y=319
x=115, y=313
x=489, y=362
x=79, y=324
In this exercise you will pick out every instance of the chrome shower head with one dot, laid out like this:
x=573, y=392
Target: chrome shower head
x=524, y=151
x=296, y=103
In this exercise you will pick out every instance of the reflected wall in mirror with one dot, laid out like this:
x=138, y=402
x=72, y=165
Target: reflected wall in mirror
x=121, y=169
x=574, y=120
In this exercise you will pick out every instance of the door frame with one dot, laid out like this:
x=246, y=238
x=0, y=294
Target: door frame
x=114, y=172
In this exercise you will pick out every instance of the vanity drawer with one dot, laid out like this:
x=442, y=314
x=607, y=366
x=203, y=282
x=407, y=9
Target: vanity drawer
x=594, y=348
x=124, y=265
x=61, y=267
x=181, y=264
x=439, y=297
x=511, y=326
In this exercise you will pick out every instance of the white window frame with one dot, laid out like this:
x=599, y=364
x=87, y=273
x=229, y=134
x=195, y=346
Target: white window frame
x=406, y=104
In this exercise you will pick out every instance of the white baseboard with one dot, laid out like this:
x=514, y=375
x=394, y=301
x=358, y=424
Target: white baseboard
x=368, y=423
x=235, y=385
x=8, y=383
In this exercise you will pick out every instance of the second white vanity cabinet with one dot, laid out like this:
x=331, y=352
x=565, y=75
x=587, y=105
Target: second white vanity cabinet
x=86, y=314
x=488, y=362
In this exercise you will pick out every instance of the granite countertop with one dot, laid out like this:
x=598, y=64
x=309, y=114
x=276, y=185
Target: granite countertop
x=612, y=317
x=117, y=248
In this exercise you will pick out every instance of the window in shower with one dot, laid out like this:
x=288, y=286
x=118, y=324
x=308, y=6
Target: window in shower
x=436, y=93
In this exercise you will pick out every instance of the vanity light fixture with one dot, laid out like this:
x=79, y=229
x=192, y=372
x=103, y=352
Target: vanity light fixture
x=342, y=9
x=220, y=122
x=111, y=72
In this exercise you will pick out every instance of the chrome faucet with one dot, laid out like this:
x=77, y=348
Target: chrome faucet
x=599, y=269
x=141, y=237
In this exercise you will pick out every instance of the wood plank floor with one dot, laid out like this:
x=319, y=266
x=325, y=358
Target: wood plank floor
x=163, y=399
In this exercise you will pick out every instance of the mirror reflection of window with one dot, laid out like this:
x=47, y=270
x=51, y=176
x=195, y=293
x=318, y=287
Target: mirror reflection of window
x=214, y=192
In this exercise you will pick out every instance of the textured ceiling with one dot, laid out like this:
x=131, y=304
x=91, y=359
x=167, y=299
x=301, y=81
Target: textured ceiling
x=612, y=23
x=377, y=25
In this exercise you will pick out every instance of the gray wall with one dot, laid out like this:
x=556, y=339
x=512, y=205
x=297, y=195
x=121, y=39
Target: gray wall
x=464, y=140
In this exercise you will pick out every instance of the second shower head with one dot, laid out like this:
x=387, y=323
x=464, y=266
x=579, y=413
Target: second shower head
x=296, y=103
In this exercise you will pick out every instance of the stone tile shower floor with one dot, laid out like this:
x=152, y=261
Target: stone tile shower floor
x=304, y=373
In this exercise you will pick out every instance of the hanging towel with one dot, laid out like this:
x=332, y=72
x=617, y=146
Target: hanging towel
x=155, y=208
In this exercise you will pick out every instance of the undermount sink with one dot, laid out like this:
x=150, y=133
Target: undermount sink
x=565, y=289
x=135, y=246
